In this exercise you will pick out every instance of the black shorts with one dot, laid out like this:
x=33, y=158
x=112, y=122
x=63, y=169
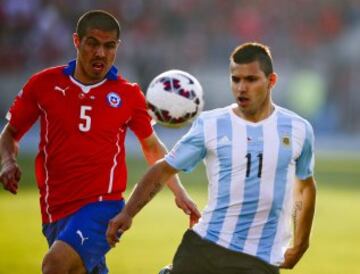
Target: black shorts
x=198, y=256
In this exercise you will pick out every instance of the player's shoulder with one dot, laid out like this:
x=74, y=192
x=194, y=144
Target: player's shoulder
x=47, y=73
x=294, y=117
x=214, y=113
x=126, y=85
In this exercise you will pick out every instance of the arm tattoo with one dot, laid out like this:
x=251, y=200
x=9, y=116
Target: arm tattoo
x=297, y=209
x=156, y=189
x=298, y=206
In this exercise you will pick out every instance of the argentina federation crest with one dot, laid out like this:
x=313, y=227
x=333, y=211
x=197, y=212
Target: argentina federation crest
x=113, y=99
x=286, y=142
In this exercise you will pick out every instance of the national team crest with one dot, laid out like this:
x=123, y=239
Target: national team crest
x=285, y=140
x=114, y=99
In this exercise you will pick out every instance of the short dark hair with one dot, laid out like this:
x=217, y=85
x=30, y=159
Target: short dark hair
x=97, y=19
x=253, y=51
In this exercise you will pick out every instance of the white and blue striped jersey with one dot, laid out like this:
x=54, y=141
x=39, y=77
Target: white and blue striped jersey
x=251, y=168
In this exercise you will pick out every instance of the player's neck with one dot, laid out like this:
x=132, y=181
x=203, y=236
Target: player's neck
x=82, y=77
x=255, y=116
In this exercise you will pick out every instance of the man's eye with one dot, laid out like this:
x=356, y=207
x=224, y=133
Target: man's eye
x=235, y=79
x=92, y=43
x=251, y=79
x=110, y=46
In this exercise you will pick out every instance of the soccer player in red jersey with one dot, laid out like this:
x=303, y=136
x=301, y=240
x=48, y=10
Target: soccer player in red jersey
x=85, y=109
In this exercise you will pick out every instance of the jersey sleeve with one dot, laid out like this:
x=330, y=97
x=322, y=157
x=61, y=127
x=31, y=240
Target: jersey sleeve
x=140, y=122
x=24, y=111
x=305, y=162
x=189, y=150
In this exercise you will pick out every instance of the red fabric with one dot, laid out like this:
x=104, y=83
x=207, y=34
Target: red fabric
x=74, y=166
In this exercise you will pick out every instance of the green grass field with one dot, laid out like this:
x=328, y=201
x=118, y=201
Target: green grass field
x=157, y=230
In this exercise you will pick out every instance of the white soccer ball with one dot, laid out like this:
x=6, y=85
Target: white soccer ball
x=174, y=98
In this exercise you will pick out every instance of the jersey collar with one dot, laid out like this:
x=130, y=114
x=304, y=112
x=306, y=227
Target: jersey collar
x=70, y=69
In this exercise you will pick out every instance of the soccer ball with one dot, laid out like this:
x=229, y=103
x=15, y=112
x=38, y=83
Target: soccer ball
x=166, y=270
x=174, y=98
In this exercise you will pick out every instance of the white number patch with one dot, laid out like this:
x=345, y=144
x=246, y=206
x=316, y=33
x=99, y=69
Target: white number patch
x=85, y=123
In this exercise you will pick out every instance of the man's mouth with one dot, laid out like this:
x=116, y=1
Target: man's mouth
x=98, y=66
x=243, y=100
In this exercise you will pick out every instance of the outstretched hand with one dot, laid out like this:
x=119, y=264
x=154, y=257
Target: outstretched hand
x=184, y=202
x=10, y=175
x=117, y=226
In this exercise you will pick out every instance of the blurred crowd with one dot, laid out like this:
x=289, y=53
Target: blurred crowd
x=306, y=38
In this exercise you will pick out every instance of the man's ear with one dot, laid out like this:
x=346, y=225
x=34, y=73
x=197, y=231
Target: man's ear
x=76, y=40
x=272, y=80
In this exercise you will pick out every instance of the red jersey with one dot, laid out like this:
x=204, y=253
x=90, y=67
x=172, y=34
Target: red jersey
x=81, y=155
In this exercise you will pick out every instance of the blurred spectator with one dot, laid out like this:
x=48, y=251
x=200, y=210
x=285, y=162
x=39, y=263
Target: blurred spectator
x=187, y=34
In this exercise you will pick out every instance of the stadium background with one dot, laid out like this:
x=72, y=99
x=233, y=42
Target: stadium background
x=316, y=52
x=315, y=45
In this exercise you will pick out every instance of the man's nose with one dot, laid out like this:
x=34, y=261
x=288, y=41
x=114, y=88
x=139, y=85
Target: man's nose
x=241, y=87
x=100, y=51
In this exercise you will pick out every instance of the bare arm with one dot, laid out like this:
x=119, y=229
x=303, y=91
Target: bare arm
x=10, y=173
x=305, y=197
x=155, y=150
x=144, y=191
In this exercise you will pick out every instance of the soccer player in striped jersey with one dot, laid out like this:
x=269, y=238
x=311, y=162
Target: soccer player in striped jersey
x=85, y=109
x=259, y=160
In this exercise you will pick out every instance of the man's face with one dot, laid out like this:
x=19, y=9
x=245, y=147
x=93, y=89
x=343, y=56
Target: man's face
x=96, y=53
x=251, y=88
